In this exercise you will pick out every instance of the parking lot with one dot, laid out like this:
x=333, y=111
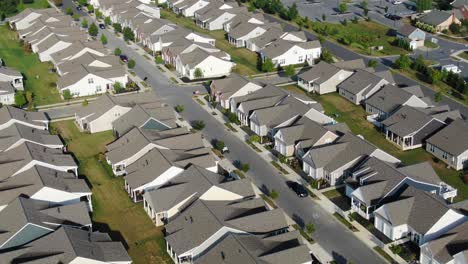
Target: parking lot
x=315, y=9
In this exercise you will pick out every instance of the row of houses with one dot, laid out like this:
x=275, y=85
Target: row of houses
x=405, y=115
x=85, y=67
x=11, y=81
x=403, y=201
x=44, y=206
x=252, y=31
x=208, y=217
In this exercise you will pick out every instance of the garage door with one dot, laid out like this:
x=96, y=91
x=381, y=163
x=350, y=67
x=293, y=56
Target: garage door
x=387, y=230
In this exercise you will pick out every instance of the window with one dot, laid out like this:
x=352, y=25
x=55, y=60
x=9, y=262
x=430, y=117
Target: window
x=431, y=148
x=301, y=59
x=90, y=81
x=98, y=88
x=444, y=155
x=282, y=61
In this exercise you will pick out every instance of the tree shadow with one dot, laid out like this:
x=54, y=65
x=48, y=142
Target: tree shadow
x=340, y=259
x=298, y=220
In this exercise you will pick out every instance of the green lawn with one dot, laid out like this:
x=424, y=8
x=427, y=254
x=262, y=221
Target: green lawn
x=463, y=55
x=38, y=79
x=246, y=60
x=361, y=36
x=114, y=212
x=355, y=117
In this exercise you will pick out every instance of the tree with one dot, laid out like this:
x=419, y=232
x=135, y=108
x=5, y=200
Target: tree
x=293, y=13
x=84, y=23
x=131, y=64
x=267, y=65
x=98, y=13
x=232, y=117
x=455, y=28
x=343, y=7
x=274, y=194
x=372, y=63
x=117, y=28
x=254, y=138
x=366, y=11
x=386, y=9
x=403, y=62
x=438, y=97
x=419, y=64
x=310, y=228
x=128, y=34
x=364, y=4
x=117, y=52
x=76, y=17
x=20, y=99
x=321, y=39
x=90, y=8
x=103, y=39
x=66, y=94
x=245, y=167
x=423, y=5
x=434, y=75
x=198, y=73
x=82, y=2
x=93, y=30
x=324, y=17
x=58, y=2
x=198, y=124
x=107, y=21
x=327, y=56
x=69, y=11
x=179, y=108
x=289, y=70
x=219, y=145
x=118, y=87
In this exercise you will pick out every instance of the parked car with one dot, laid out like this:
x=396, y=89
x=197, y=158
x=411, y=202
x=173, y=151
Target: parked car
x=451, y=68
x=392, y=17
x=124, y=58
x=298, y=188
x=102, y=26
x=79, y=8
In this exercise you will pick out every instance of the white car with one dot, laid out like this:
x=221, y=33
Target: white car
x=451, y=68
x=396, y=2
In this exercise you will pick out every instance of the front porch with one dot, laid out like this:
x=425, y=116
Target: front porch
x=361, y=208
x=404, y=143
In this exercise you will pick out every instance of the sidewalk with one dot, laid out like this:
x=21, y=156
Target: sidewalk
x=363, y=234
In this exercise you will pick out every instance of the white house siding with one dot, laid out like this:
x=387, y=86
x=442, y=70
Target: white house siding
x=392, y=232
x=175, y=210
x=104, y=122
x=291, y=37
x=297, y=55
x=211, y=67
x=200, y=39
x=257, y=129
x=329, y=86
x=166, y=176
x=14, y=121
x=217, y=23
x=47, y=165
x=89, y=85
x=55, y=196
x=82, y=260
x=258, y=31
x=246, y=89
x=456, y=162
x=26, y=21
x=218, y=194
x=362, y=97
x=7, y=99
x=136, y=156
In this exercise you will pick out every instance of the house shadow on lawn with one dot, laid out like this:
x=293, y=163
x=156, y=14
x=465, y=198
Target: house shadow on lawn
x=114, y=235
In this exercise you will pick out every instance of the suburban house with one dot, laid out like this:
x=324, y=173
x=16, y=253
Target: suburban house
x=180, y=46
x=157, y=116
x=157, y=167
x=389, y=99
x=440, y=20
x=451, y=144
x=147, y=31
x=302, y=134
x=242, y=32
x=272, y=34
x=14, y=77
x=191, y=235
x=332, y=162
x=99, y=115
x=168, y=200
x=45, y=184
x=25, y=220
x=92, y=80
x=446, y=249
x=416, y=214
x=77, y=50
x=235, y=85
x=187, y=8
x=27, y=155
x=283, y=52
x=242, y=17
x=17, y=134
x=322, y=78
x=372, y=181
x=29, y=16
x=200, y=64
x=360, y=86
x=415, y=37
x=10, y=115
x=214, y=18
x=70, y=245
x=460, y=8
x=266, y=121
x=137, y=142
x=7, y=93
x=88, y=60
x=409, y=127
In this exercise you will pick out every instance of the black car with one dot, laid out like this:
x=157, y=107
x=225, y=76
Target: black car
x=124, y=58
x=102, y=26
x=392, y=17
x=298, y=188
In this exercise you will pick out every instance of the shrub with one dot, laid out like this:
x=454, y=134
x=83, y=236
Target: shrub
x=403, y=62
x=85, y=102
x=372, y=63
x=219, y=145
x=67, y=95
x=198, y=73
x=343, y=7
x=274, y=194
x=76, y=17
x=98, y=13
x=93, y=30
x=84, y=23
x=69, y=11
x=107, y=21
x=310, y=228
x=327, y=56
x=128, y=34
x=245, y=167
x=179, y=108
x=289, y=70
x=268, y=66
x=118, y=87
x=103, y=39
x=438, y=96
x=131, y=64
x=233, y=118
x=20, y=99
x=396, y=249
x=254, y=138
x=198, y=124
x=283, y=159
x=117, y=52
x=159, y=60
x=117, y=28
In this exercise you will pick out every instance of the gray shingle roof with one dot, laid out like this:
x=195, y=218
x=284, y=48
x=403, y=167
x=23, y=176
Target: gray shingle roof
x=320, y=73
x=6, y=88
x=77, y=47
x=34, y=118
x=406, y=30
x=435, y=17
x=16, y=132
x=351, y=64
x=272, y=34
x=204, y=218
x=34, y=179
x=229, y=85
x=453, y=138
x=448, y=245
x=303, y=129
x=360, y=81
x=389, y=98
x=280, y=46
x=10, y=72
x=407, y=120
